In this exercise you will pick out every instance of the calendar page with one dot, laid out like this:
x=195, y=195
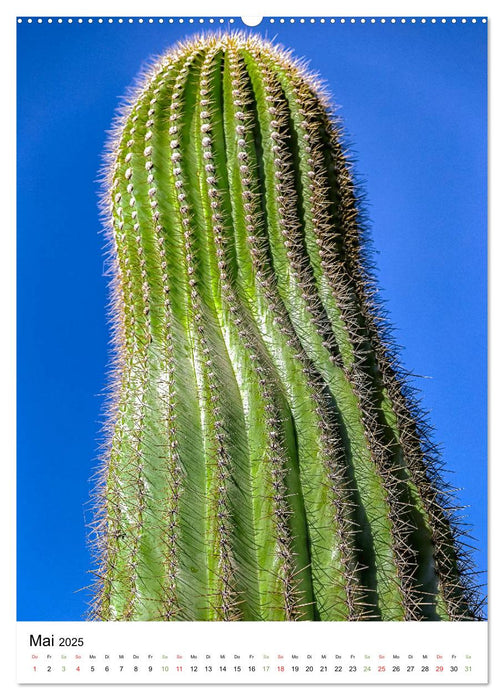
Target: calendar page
x=252, y=349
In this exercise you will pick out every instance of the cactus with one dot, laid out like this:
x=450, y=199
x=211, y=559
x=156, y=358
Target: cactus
x=265, y=458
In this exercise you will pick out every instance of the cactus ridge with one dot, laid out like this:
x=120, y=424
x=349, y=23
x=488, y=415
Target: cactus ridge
x=264, y=457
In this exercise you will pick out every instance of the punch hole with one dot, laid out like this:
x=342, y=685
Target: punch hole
x=252, y=21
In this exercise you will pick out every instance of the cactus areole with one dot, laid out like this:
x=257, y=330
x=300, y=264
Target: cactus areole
x=264, y=459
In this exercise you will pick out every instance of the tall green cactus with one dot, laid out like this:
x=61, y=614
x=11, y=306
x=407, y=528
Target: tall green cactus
x=264, y=461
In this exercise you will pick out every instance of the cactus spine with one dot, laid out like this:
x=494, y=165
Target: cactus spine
x=264, y=459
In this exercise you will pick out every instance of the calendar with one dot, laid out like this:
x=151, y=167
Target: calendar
x=247, y=653
x=251, y=382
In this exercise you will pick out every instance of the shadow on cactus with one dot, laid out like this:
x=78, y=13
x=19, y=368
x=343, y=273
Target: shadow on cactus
x=265, y=460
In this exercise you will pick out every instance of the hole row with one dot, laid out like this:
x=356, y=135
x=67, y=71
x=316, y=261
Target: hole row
x=272, y=20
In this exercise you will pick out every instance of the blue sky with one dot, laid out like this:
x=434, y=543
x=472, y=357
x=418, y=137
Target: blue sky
x=413, y=99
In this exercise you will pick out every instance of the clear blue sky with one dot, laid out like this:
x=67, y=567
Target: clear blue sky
x=413, y=99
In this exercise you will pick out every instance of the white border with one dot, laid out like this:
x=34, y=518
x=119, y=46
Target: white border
x=7, y=290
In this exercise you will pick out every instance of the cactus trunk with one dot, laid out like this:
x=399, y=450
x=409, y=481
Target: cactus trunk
x=265, y=459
